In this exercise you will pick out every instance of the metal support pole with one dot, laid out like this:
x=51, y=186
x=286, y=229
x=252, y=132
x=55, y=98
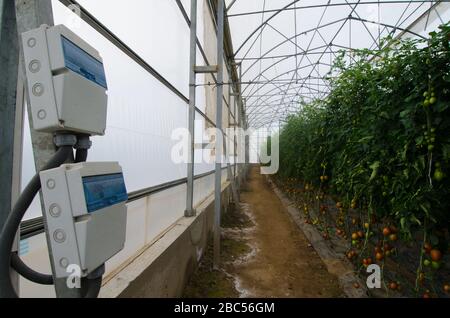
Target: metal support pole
x=247, y=138
x=31, y=14
x=235, y=124
x=219, y=139
x=241, y=122
x=190, y=212
x=10, y=116
x=9, y=61
x=226, y=143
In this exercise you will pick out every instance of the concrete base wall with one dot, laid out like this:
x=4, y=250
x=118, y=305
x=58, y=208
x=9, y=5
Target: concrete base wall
x=163, y=269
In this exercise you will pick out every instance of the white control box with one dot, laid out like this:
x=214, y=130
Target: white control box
x=85, y=213
x=66, y=82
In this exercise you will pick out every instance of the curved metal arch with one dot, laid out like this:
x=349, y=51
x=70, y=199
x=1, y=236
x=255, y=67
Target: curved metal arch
x=387, y=26
x=269, y=67
x=286, y=104
x=272, y=101
x=278, y=76
x=349, y=18
x=288, y=90
x=264, y=112
x=329, y=5
x=265, y=121
x=313, y=29
x=279, y=102
x=264, y=23
x=292, y=38
x=310, y=88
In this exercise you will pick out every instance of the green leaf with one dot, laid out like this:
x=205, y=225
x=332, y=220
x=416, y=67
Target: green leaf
x=425, y=209
x=403, y=223
x=415, y=219
x=375, y=166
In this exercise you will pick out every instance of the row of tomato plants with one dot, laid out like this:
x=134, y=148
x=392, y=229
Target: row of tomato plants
x=380, y=142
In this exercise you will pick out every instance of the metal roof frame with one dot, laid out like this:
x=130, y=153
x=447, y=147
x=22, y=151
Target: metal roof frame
x=260, y=91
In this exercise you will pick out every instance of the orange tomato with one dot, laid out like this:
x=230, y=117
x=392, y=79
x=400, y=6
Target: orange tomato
x=436, y=255
x=393, y=285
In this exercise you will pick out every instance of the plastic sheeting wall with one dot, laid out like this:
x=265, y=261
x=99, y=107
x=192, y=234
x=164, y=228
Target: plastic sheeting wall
x=142, y=114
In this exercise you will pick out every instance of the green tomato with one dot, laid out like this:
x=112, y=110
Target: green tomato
x=426, y=262
x=354, y=242
x=433, y=100
x=438, y=175
x=426, y=103
x=435, y=265
x=430, y=147
x=425, y=94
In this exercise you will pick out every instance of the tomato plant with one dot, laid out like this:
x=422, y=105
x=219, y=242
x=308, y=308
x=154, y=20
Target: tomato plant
x=382, y=138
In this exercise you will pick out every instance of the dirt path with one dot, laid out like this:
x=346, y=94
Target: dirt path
x=264, y=253
x=285, y=265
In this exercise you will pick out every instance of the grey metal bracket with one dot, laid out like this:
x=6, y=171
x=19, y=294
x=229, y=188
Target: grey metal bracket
x=207, y=69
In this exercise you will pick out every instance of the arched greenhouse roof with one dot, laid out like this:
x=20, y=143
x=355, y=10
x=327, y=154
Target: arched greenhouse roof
x=286, y=48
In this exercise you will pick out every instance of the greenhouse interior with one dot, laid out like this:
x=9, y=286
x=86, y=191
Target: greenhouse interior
x=225, y=149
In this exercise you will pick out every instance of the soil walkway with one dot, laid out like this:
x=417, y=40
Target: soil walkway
x=285, y=264
x=264, y=253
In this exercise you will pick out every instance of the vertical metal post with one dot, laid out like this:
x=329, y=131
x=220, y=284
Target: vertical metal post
x=31, y=14
x=247, y=138
x=10, y=116
x=226, y=143
x=230, y=176
x=240, y=121
x=9, y=61
x=190, y=212
x=235, y=124
x=219, y=139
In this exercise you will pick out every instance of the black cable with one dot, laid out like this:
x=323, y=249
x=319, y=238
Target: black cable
x=27, y=272
x=16, y=262
x=81, y=155
x=12, y=223
x=23, y=270
x=93, y=287
x=92, y=284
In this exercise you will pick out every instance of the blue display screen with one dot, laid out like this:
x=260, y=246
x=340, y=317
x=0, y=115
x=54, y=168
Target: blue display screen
x=103, y=191
x=82, y=63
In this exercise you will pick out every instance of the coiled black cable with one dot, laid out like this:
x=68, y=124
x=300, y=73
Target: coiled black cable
x=12, y=223
x=23, y=270
x=16, y=262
